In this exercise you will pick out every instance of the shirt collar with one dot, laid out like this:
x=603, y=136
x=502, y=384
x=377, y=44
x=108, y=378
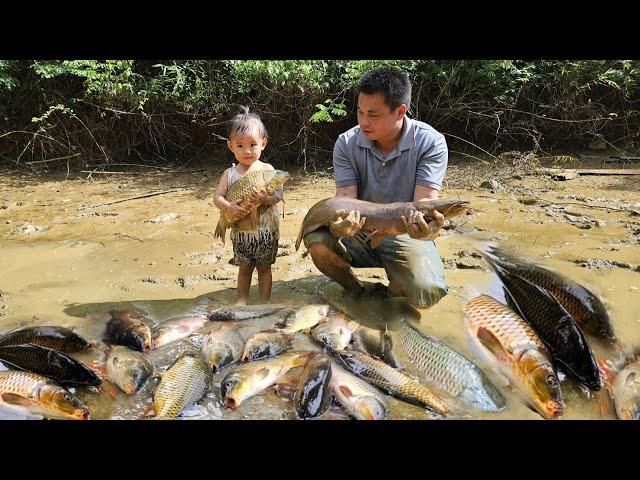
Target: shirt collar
x=406, y=140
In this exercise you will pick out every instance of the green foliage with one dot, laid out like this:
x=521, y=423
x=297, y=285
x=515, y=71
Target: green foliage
x=158, y=106
x=7, y=80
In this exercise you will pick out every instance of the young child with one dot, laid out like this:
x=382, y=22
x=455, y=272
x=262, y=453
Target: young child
x=252, y=248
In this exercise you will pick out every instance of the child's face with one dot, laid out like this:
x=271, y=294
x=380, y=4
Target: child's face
x=247, y=148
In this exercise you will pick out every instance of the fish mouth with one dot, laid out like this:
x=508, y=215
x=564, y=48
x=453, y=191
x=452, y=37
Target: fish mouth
x=553, y=410
x=231, y=402
x=82, y=414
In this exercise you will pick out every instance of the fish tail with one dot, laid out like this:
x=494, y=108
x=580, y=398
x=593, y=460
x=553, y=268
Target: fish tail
x=221, y=230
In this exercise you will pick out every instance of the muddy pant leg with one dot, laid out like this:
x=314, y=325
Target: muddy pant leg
x=414, y=268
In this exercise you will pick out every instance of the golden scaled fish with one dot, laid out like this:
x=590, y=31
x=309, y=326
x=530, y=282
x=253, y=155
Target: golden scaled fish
x=362, y=400
x=39, y=395
x=271, y=180
x=303, y=319
x=181, y=386
x=253, y=377
x=519, y=352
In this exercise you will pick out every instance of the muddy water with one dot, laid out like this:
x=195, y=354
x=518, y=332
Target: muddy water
x=65, y=264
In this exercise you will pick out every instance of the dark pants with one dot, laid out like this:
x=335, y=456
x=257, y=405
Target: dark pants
x=414, y=267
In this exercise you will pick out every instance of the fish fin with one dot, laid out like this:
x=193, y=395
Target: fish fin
x=531, y=407
x=263, y=373
x=300, y=360
x=99, y=367
x=13, y=399
x=221, y=229
x=110, y=388
x=306, y=330
x=288, y=337
x=492, y=343
x=150, y=411
x=345, y=390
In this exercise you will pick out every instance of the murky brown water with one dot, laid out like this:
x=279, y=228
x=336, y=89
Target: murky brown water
x=86, y=261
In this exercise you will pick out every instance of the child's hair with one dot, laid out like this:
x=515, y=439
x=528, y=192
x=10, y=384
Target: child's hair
x=245, y=122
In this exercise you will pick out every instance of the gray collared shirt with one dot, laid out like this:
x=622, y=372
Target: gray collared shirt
x=419, y=158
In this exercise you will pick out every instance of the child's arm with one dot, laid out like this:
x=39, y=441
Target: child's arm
x=231, y=210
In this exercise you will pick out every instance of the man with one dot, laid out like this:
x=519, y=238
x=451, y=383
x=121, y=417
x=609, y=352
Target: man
x=386, y=158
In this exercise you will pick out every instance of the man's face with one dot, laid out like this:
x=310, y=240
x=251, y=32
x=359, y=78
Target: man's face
x=375, y=118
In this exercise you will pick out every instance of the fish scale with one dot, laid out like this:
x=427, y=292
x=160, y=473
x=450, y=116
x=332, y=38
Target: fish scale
x=506, y=325
x=181, y=386
x=391, y=380
x=449, y=371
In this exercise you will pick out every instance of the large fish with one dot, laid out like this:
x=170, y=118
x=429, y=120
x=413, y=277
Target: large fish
x=520, y=353
x=265, y=344
x=381, y=219
x=313, y=395
x=222, y=347
x=39, y=395
x=176, y=329
x=253, y=377
x=375, y=342
x=271, y=180
x=362, y=400
x=125, y=329
x=245, y=312
x=49, y=363
x=555, y=326
x=448, y=371
x=58, y=338
x=585, y=308
x=390, y=380
x=334, y=333
x=128, y=369
x=303, y=319
x=181, y=386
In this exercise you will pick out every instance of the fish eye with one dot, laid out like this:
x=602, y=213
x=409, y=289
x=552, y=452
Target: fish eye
x=551, y=381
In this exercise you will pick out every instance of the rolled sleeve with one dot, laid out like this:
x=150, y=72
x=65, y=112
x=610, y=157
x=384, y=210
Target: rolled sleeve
x=432, y=164
x=343, y=170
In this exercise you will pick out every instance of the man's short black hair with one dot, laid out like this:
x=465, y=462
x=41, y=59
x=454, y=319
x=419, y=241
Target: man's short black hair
x=391, y=83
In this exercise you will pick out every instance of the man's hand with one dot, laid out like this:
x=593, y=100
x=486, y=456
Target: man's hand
x=418, y=228
x=234, y=211
x=347, y=226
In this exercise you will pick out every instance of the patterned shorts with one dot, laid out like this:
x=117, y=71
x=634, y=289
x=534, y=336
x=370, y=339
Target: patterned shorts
x=251, y=249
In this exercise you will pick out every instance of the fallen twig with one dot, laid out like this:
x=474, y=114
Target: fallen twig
x=146, y=195
x=53, y=159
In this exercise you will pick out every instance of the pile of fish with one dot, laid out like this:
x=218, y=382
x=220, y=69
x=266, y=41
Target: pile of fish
x=39, y=369
x=542, y=331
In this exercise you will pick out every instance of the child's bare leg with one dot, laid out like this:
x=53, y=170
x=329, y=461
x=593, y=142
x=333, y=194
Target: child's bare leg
x=244, y=284
x=264, y=282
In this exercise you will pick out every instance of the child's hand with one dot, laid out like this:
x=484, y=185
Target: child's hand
x=260, y=195
x=234, y=211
